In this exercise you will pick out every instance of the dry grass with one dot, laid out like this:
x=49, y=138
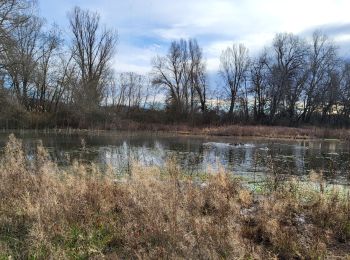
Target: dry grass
x=273, y=132
x=277, y=132
x=159, y=213
x=244, y=131
x=241, y=130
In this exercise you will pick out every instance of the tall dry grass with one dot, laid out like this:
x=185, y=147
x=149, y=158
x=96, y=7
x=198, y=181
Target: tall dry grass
x=81, y=212
x=277, y=132
x=273, y=132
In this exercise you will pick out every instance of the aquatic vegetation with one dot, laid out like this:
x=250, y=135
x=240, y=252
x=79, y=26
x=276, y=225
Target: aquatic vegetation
x=83, y=212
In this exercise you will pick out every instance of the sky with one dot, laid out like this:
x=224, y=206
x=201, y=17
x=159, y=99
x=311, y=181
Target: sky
x=146, y=27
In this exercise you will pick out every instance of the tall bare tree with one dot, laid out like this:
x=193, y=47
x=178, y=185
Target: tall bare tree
x=169, y=72
x=259, y=86
x=47, y=70
x=322, y=60
x=345, y=90
x=182, y=73
x=288, y=74
x=13, y=13
x=197, y=74
x=93, y=47
x=65, y=81
x=234, y=66
x=21, y=57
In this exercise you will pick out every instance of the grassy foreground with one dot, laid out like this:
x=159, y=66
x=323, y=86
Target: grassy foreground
x=80, y=212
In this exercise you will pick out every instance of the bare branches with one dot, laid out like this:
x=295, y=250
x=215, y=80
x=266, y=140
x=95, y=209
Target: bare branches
x=182, y=73
x=294, y=80
x=93, y=48
x=322, y=59
x=20, y=58
x=234, y=66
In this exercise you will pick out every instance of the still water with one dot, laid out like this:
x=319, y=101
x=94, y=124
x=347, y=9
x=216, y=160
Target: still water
x=247, y=157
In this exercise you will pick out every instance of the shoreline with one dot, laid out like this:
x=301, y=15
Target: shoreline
x=231, y=131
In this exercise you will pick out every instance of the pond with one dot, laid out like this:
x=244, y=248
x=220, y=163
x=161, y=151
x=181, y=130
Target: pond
x=246, y=157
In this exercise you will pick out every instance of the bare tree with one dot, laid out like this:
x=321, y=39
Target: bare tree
x=47, y=69
x=197, y=74
x=93, y=48
x=13, y=13
x=169, y=72
x=66, y=81
x=234, y=66
x=322, y=60
x=182, y=73
x=259, y=86
x=20, y=59
x=133, y=84
x=288, y=74
x=345, y=90
x=132, y=91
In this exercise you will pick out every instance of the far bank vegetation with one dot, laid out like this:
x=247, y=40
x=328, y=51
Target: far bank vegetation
x=47, y=81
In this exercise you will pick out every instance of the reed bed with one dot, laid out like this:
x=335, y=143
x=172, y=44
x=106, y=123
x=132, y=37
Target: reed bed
x=278, y=132
x=273, y=132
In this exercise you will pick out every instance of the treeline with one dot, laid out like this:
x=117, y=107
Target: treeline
x=47, y=80
x=294, y=81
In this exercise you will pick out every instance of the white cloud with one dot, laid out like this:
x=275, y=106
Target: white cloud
x=133, y=58
x=215, y=23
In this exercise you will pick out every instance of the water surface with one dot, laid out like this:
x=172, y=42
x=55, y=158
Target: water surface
x=247, y=157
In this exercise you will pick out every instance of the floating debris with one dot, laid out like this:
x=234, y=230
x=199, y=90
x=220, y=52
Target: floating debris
x=229, y=145
x=264, y=149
